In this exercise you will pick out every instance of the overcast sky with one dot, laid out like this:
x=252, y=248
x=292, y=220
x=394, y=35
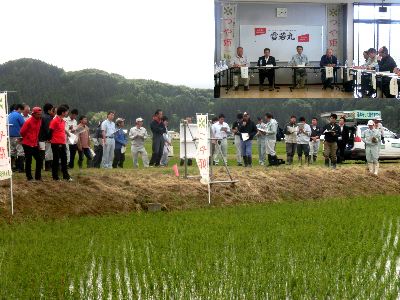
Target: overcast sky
x=170, y=41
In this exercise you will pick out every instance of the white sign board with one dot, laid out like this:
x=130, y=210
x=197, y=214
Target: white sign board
x=191, y=134
x=282, y=40
x=5, y=162
x=203, y=148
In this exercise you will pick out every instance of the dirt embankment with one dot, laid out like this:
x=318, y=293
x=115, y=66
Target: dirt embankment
x=96, y=192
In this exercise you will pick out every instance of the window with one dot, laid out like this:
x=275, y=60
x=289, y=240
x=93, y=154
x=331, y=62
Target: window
x=373, y=29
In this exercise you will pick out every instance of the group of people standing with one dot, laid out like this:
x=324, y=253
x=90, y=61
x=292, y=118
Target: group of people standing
x=54, y=135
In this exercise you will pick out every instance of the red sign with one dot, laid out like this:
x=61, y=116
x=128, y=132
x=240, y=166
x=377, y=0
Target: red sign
x=305, y=38
x=260, y=31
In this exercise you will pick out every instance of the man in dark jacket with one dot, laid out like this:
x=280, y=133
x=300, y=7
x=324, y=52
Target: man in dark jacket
x=266, y=73
x=331, y=132
x=247, y=131
x=44, y=135
x=386, y=64
x=158, y=129
x=327, y=60
x=343, y=139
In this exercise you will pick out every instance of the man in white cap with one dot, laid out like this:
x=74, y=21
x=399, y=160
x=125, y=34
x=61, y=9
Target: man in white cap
x=371, y=137
x=378, y=125
x=138, y=135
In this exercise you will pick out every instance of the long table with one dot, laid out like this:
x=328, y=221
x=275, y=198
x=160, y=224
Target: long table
x=229, y=73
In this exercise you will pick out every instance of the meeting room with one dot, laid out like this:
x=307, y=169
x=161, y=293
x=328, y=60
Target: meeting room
x=297, y=49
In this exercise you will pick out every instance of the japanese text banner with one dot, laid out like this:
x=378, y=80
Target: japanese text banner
x=203, y=147
x=5, y=165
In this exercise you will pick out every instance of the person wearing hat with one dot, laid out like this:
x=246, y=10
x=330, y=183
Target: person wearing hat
x=30, y=131
x=138, y=135
x=378, y=125
x=120, y=144
x=331, y=132
x=58, y=144
x=108, y=131
x=247, y=131
x=371, y=137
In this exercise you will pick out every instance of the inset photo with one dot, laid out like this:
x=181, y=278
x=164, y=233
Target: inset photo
x=265, y=49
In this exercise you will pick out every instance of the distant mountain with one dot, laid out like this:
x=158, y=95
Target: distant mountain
x=92, y=90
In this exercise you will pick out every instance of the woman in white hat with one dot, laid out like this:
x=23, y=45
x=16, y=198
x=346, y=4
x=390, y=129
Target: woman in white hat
x=372, y=139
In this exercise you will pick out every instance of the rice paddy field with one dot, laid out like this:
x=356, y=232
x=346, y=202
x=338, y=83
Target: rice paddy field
x=330, y=249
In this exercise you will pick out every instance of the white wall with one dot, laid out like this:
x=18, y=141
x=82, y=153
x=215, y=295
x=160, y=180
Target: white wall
x=298, y=14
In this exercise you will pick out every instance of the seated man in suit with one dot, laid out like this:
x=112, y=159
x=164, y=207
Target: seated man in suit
x=327, y=60
x=386, y=64
x=266, y=73
x=240, y=60
x=300, y=59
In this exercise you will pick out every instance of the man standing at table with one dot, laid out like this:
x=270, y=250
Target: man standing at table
x=327, y=60
x=386, y=64
x=238, y=61
x=266, y=73
x=300, y=59
x=331, y=132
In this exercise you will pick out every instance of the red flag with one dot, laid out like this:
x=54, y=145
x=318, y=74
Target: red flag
x=175, y=169
x=260, y=31
x=305, y=38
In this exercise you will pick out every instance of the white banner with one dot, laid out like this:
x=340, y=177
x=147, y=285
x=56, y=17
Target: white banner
x=394, y=88
x=244, y=72
x=203, y=148
x=329, y=72
x=5, y=161
x=191, y=141
x=228, y=27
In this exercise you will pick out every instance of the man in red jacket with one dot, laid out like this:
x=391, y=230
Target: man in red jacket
x=30, y=141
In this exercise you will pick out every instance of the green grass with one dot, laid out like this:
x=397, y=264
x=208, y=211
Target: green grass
x=336, y=249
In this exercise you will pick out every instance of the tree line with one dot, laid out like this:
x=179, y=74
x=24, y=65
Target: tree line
x=92, y=91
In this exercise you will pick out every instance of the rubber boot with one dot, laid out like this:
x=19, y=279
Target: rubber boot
x=308, y=159
x=327, y=162
x=300, y=160
x=376, y=168
x=371, y=168
x=269, y=160
x=334, y=165
x=245, y=161
x=314, y=159
x=21, y=168
x=249, y=161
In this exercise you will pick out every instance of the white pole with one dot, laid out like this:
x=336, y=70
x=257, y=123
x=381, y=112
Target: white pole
x=9, y=153
x=209, y=193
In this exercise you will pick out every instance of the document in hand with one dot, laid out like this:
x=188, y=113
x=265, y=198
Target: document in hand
x=245, y=136
x=73, y=139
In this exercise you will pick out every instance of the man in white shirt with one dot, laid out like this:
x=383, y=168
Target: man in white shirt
x=303, y=140
x=238, y=61
x=108, y=131
x=219, y=131
x=300, y=59
x=261, y=137
x=138, y=135
x=72, y=145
